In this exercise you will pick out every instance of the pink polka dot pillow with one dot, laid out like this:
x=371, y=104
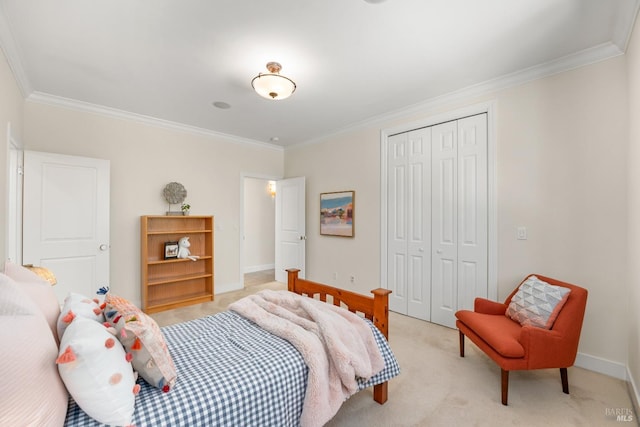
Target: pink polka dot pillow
x=97, y=373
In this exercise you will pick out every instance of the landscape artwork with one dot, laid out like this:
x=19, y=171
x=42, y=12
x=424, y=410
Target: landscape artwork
x=336, y=213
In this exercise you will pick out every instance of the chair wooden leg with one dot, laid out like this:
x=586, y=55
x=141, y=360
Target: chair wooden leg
x=505, y=386
x=565, y=380
x=461, y=343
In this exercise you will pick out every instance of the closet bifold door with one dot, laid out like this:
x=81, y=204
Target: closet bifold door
x=444, y=211
x=473, y=214
x=459, y=216
x=409, y=222
x=437, y=219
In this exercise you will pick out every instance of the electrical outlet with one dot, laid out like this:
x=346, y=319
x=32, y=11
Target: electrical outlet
x=352, y=279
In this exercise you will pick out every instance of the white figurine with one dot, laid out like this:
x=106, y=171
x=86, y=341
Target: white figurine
x=183, y=249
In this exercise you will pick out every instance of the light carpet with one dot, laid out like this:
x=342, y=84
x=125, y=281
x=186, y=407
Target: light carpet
x=437, y=387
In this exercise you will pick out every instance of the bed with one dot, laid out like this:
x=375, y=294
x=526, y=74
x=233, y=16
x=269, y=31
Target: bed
x=231, y=372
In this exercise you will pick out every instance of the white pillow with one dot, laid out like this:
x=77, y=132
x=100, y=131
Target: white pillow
x=77, y=305
x=39, y=290
x=32, y=392
x=95, y=369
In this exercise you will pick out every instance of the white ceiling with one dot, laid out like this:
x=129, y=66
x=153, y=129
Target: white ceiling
x=354, y=62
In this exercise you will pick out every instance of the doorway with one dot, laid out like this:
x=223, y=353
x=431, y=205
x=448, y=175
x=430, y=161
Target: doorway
x=258, y=249
x=286, y=227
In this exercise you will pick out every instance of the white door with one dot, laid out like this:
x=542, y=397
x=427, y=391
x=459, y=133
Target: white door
x=290, y=227
x=444, y=247
x=66, y=220
x=460, y=217
x=409, y=223
x=473, y=215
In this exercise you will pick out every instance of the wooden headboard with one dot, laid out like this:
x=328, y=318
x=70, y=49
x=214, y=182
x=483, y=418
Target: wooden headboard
x=375, y=308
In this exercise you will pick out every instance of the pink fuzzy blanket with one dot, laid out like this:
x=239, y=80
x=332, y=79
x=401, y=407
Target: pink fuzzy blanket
x=337, y=346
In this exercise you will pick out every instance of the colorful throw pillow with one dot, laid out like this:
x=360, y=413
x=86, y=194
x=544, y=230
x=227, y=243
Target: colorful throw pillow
x=537, y=303
x=32, y=392
x=95, y=369
x=143, y=339
x=39, y=290
x=76, y=305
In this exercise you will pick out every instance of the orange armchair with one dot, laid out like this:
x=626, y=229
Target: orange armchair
x=514, y=347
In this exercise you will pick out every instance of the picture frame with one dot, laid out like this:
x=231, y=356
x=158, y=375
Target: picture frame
x=337, y=213
x=170, y=250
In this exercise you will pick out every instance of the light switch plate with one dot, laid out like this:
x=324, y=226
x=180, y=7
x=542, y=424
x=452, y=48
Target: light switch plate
x=521, y=233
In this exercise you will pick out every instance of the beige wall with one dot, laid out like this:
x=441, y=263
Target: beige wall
x=143, y=160
x=347, y=162
x=11, y=103
x=633, y=228
x=561, y=172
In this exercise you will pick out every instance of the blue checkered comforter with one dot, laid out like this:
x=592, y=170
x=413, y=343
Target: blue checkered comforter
x=231, y=372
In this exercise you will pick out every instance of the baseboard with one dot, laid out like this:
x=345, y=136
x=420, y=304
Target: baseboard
x=226, y=287
x=633, y=391
x=602, y=366
x=262, y=267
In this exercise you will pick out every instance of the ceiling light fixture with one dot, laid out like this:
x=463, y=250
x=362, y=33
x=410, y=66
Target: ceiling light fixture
x=273, y=85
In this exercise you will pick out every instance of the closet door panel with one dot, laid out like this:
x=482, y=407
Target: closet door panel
x=397, y=223
x=419, y=220
x=444, y=211
x=472, y=210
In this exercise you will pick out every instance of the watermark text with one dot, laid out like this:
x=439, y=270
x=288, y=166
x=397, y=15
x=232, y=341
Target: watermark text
x=620, y=414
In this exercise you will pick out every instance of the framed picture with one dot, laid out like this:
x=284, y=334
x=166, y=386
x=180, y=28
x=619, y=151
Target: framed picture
x=170, y=250
x=337, y=213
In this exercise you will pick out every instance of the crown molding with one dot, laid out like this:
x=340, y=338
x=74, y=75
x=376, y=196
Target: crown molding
x=625, y=22
x=580, y=59
x=570, y=62
x=72, y=104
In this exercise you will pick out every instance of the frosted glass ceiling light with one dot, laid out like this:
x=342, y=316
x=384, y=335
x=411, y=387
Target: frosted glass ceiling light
x=273, y=85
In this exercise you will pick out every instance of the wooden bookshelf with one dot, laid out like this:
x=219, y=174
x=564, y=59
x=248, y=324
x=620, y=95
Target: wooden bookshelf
x=172, y=283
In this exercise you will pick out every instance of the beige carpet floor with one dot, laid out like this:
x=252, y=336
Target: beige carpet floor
x=439, y=388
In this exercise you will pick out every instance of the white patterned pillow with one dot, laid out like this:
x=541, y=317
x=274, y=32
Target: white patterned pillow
x=537, y=303
x=97, y=372
x=77, y=305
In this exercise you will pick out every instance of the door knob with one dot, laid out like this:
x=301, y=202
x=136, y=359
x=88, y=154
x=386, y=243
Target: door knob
x=439, y=251
x=104, y=247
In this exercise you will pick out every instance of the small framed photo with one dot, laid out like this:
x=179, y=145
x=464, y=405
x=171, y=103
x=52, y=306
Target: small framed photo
x=337, y=213
x=170, y=250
